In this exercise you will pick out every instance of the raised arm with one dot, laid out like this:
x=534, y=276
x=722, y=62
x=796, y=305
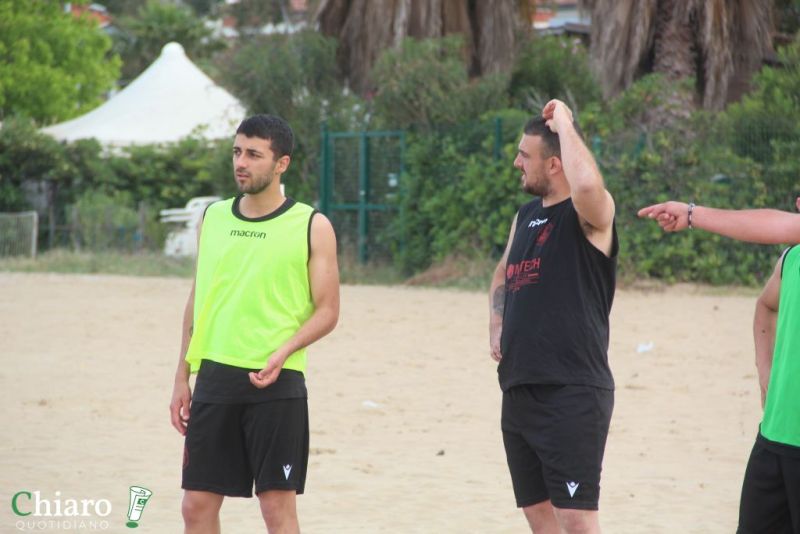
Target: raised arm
x=323, y=277
x=592, y=201
x=766, y=226
x=764, y=321
x=497, y=298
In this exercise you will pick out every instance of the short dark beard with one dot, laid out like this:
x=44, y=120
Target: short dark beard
x=542, y=190
x=255, y=188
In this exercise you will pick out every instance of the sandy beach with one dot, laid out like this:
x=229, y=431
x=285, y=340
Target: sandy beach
x=404, y=406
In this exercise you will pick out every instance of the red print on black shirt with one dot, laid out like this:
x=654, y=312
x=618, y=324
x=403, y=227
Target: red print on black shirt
x=526, y=272
x=544, y=234
x=522, y=273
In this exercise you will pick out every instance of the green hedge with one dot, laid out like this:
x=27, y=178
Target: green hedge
x=460, y=190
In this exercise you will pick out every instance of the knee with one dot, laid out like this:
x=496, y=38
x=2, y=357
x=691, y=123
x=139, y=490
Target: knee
x=199, y=509
x=577, y=521
x=279, y=511
x=540, y=518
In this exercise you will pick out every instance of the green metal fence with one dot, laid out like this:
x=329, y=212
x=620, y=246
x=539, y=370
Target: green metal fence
x=359, y=183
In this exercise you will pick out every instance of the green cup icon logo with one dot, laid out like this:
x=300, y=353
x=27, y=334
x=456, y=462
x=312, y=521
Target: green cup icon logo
x=139, y=497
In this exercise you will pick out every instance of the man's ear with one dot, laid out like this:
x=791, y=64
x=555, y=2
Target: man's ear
x=553, y=165
x=283, y=163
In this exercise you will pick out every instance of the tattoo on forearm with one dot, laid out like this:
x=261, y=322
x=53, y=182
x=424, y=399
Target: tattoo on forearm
x=499, y=299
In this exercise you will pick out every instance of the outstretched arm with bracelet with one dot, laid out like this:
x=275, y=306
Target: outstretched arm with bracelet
x=766, y=226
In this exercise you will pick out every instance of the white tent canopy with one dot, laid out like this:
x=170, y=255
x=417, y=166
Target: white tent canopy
x=170, y=100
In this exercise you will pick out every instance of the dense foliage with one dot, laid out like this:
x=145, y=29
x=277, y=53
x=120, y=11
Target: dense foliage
x=141, y=36
x=459, y=191
x=53, y=66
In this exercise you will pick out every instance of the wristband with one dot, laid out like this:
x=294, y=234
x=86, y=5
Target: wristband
x=691, y=207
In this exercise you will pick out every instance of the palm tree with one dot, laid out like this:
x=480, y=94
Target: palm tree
x=721, y=43
x=366, y=27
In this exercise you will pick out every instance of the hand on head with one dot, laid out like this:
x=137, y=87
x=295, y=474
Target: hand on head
x=555, y=113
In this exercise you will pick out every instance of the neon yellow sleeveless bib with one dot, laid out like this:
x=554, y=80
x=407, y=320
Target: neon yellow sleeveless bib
x=251, y=288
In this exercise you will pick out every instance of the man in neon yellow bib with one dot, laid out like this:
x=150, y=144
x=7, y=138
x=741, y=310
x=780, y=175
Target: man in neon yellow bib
x=266, y=287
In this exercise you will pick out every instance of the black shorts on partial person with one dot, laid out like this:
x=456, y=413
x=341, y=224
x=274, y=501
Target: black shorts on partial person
x=770, y=502
x=555, y=437
x=229, y=447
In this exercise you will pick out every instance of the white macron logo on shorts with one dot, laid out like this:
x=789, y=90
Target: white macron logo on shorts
x=286, y=470
x=572, y=487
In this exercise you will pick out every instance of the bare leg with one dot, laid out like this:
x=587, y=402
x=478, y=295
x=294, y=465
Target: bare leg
x=279, y=509
x=541, y=518
x=578, y=521
x=201, y=512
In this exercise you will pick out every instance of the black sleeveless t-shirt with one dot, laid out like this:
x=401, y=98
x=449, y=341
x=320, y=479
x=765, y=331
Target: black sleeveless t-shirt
x=559, y=291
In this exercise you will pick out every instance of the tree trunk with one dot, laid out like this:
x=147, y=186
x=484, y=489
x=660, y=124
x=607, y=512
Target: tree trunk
x=675, y=56
x=367, y=27
x=712, y=40
x=674, y=46
x=425, y=19
x=496, y=23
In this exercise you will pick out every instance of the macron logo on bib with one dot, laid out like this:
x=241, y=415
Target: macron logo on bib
x=248, y=233
x=286, y=470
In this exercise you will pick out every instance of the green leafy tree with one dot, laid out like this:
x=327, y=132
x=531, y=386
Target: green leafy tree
x=255, y=13
x=25, y=154
x=169, y=175
x=103, y=221
x=53, y=66
x=771, y=110
x=123, y=7
x=553, y=67
x=642, y=165
x=142, y=36
x=295, y=77
x=765, y=126
x=787, y=16
x=459, y=192
x=425, y=83
x=204, y=7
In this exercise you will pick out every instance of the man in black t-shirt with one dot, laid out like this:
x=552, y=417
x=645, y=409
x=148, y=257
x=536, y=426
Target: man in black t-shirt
x=550, y=298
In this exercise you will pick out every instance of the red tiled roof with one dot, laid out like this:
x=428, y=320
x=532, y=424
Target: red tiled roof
x=102, y=17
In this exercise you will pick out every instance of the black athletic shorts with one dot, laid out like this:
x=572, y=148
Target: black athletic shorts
x=771, y=490
x=228, y=447
x=555, y=437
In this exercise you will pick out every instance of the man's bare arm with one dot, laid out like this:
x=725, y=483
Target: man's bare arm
x=589, y=195
x=764, y=321
x=497, y=298
x=766, y=226
x=181, y=391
